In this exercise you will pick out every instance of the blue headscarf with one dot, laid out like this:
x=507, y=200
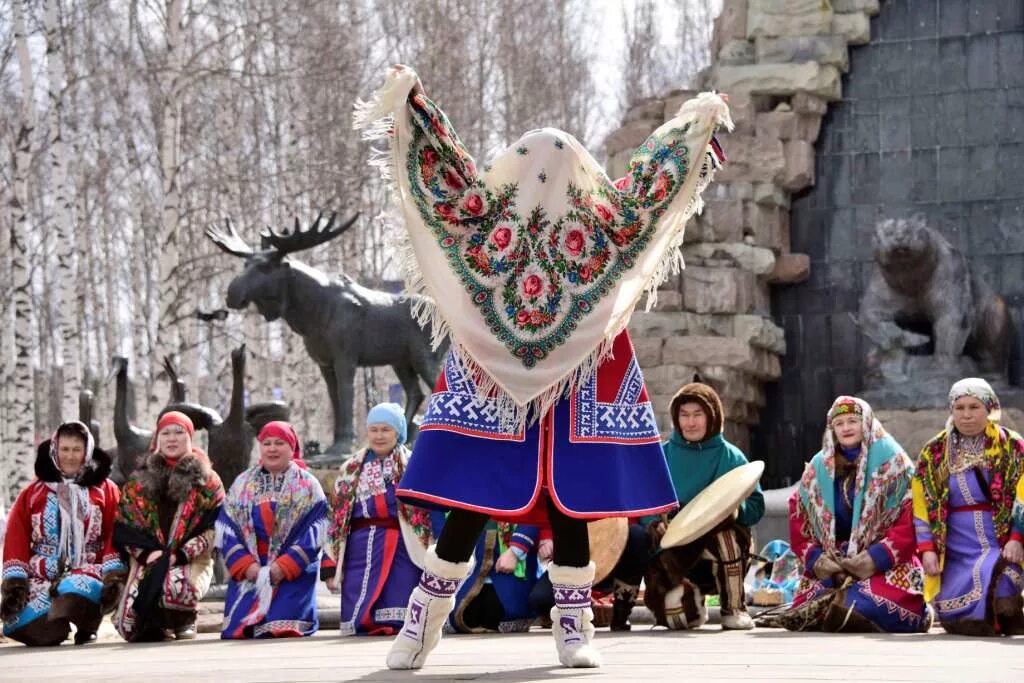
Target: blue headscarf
x=391, y=414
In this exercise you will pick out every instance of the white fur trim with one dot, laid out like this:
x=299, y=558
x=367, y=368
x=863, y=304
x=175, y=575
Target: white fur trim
x=571, y=576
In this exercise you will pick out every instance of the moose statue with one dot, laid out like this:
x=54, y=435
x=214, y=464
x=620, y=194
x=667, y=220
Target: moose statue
x=343, y=324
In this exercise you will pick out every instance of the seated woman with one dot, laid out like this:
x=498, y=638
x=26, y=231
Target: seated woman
x=60, y=567
x=851, y=524
x=269, y=533
x=969, y=516
x=165, y=524
x=496, y=595
x=377, y=542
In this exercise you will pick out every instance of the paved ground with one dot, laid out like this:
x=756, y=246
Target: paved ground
x=707, y=654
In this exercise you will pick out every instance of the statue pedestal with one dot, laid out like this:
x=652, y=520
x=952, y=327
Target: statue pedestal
x=906, y=382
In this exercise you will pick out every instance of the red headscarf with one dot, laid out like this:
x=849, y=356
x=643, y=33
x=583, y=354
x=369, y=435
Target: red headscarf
x=286, y=433
x=173, y=417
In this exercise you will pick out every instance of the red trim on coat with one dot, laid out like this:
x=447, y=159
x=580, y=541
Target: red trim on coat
x=289, y=567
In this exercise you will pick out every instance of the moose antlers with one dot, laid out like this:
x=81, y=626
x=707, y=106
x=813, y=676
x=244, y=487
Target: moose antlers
x=284, y=242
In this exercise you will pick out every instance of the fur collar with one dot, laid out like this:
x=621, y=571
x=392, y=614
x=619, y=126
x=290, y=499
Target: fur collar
x=93, y=474
x=177, y=482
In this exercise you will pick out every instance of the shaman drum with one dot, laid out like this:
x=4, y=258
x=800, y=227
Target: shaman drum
x=712, y=505
x=607, y=541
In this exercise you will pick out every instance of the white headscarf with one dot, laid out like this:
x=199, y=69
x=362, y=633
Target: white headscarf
x=977, y=388
x=72, y=498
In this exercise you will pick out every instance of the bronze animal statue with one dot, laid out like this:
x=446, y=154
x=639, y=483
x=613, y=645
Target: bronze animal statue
x=343, y=324
x=922, y=291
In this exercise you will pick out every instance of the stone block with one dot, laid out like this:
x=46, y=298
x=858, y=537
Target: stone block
x=632, y=134
x=733, y=20
x=648, y=109
x=854, y=28
x=718, y=290
x=720, y=191
x=808, y=126
x=822, y=80
x=788, y=18
x=806, y=103
x=666, y=379
x=790, y=269
x=644, y=325
x=777, y=124
x=724, y=218
x=617, y=163
x=668, y=300
x=674, y=101
x=770, y=194
x=870, y=7
x=768, y=225
x=736, y=52
x=767, y=158
x=648, y=350
x=760, y=332
x=701, y=351
x=799, y=169
x=743, y=109
x=755, y=259
x=823, y=49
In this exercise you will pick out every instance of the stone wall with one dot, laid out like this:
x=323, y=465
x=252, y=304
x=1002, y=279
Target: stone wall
x=931, y=121
x=780, y=61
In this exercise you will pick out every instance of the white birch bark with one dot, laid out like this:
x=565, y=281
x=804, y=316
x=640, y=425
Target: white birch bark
x=19, y=451
x=65, y=301
x=168, y=248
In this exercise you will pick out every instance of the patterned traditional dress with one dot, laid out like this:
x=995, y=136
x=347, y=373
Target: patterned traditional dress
x=171, y=508
x=968, y=502
x=272, y=518
x=490, y=600
x=848, y=505
x=377, y=541
x=36, y=562
x=597, y=453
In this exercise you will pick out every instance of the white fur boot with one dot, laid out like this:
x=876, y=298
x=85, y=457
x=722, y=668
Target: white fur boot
x=572, y=619
x=429, y=605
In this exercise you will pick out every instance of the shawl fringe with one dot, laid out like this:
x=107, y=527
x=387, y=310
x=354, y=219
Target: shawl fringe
x=375, y=118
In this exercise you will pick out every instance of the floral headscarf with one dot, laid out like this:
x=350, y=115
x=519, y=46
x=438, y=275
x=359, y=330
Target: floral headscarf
x=882, y=484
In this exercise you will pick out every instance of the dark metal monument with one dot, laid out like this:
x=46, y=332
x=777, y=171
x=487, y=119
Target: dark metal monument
x=342, y=324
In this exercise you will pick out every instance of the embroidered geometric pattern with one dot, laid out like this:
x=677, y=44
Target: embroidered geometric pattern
x=15, y=569
x=459, y=407
x=280, y=626
x=438, y=586
x=623, y=420
x=389, y=614
x=569, y=597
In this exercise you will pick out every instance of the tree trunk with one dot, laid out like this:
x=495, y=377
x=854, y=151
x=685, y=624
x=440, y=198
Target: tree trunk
x=64, y=304
x=168, y=339
x=19, y=451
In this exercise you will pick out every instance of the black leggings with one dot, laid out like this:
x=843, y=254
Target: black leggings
x=462, y=529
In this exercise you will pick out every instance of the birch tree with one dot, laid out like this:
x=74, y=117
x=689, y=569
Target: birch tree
x=21, y=446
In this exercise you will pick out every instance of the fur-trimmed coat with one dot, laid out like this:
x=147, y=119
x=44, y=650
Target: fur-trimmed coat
x=34, y=571
x=182, y=576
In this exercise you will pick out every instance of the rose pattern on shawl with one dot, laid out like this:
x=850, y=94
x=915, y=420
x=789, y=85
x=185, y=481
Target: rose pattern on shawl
x=550, y=272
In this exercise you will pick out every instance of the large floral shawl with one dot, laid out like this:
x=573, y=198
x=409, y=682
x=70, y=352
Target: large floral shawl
x=535, y=264
x=1004, y=452
x=414, y=521
x=882, y=485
